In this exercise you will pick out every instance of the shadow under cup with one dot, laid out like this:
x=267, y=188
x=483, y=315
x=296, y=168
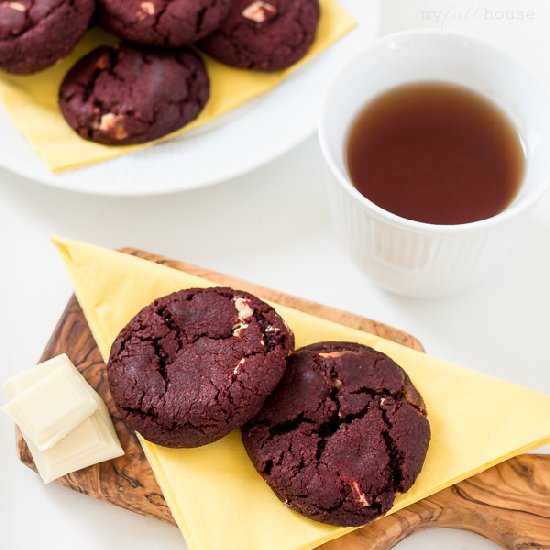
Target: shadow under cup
x=418, y=259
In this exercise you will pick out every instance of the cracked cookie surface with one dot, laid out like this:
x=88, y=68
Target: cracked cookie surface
x=193, y=366
x=264, y=35
x=344, y=431
x=35, y=34
x=164, y=23
x=128, y=95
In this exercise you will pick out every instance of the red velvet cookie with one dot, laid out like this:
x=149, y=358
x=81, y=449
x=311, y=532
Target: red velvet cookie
x=195, y=365
x=133, y=95
x=266, y=35
x=344, y=431
x=35, y=34
x=165, y=23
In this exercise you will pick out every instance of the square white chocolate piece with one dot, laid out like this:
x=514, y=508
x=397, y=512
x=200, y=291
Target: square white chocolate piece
x=49, y=409
x=92, y=441
x=24, y=380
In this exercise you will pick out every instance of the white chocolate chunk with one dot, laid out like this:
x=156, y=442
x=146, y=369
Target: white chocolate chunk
x=25, y=380
x=335, y=354
x=243, y=308
x=111, y=122
x=16, y=6
x=48, y=410
x=237, y=368
x=238, y=328
x=331, y=354
x=148, y=8
x=245, y=313
x=259, y=11
x=358, y=493
x=92, y=441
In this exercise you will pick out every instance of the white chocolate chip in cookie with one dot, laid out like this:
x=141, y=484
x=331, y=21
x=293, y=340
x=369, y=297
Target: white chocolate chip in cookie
x=360, y=496
x=243, y=308
x=259, y=11
x=16, y=6
x=113, y=123
x=237, y=368
x=335, y=354
x=148, y=8
x=332, y=354
x=238, y=328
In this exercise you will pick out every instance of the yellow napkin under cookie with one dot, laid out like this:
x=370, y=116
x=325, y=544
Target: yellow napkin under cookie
x=214, y=493
x=31, y=101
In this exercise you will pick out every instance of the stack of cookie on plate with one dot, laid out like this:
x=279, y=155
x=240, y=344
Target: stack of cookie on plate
x=152, y=83
x=336, y=429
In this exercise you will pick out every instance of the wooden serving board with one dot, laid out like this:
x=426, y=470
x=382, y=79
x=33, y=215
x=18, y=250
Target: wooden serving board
x=509, y=504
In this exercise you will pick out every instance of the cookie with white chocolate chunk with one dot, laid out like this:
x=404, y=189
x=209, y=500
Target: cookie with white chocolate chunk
x=35, y=34
x=264, y=35
x=344, y=431
x=129, y=95
x=163, y=23
x=194, y=365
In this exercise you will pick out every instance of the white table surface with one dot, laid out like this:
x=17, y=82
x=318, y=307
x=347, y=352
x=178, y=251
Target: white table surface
x=271, y=227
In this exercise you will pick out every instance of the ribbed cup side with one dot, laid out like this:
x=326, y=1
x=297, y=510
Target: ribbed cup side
x=417, y=262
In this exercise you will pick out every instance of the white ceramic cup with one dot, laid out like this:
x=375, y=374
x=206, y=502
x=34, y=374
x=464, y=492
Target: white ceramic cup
x=418, y=259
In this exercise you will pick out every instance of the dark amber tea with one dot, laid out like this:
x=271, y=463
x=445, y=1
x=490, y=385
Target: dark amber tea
x=436, y=153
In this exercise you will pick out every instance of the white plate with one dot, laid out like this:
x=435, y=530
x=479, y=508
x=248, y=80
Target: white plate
x=234, y=144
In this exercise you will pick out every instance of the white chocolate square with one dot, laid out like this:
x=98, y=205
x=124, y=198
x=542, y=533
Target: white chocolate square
x=92, y=441
x=49, y=409
x=24, y=380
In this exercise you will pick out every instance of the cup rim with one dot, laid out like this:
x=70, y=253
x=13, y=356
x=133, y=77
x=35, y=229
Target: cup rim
x=345, y=181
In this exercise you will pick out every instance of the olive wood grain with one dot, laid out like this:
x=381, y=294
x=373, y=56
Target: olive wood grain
x=509, y=504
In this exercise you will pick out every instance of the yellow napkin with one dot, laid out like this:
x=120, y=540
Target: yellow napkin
x=215, y=495
x=31, y=101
